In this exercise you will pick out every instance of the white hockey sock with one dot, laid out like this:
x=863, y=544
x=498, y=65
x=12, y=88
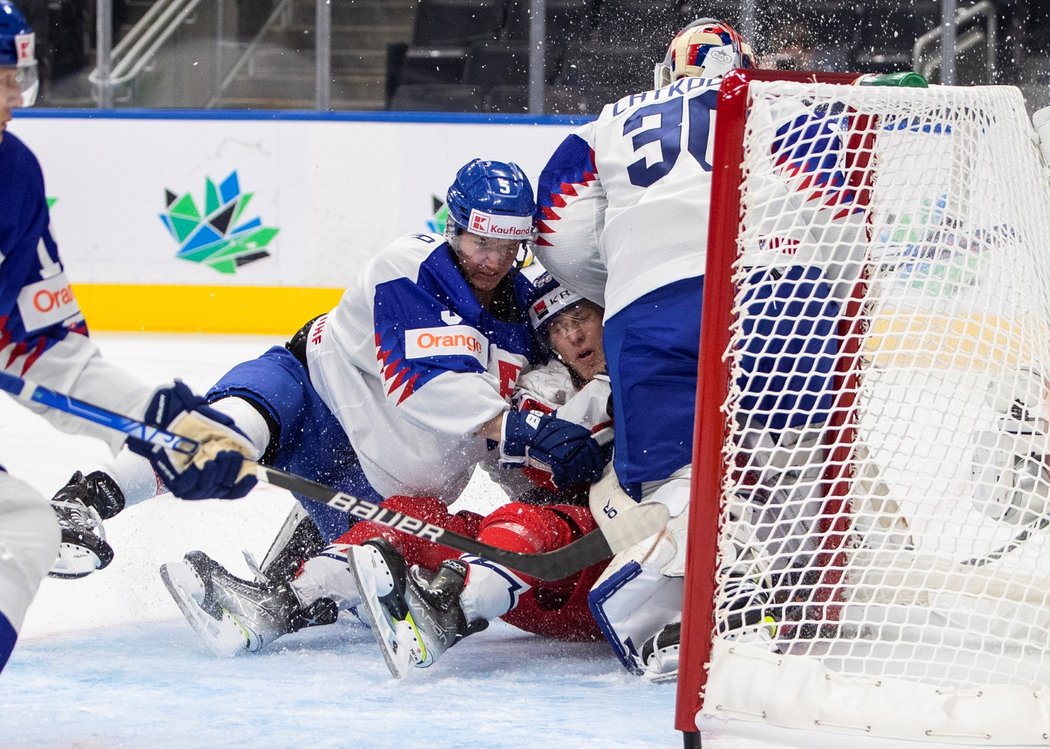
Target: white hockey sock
x=491, y=590
x=134, y=475
x=327, y=576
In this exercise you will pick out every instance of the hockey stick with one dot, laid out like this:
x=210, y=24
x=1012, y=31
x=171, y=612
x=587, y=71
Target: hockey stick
x=633, y=525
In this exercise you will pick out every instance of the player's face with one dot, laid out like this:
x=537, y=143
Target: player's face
x=486, y=260
x=10, y=96
x=576, y=334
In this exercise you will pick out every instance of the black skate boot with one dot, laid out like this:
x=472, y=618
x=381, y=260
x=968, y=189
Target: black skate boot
x=660, y=654
x=747, y=615
x=297, y=541
x=234, y=616
x=81, y=506
x=415, y=619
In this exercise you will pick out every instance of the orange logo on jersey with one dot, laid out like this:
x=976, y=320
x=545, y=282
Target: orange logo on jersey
x=47, y=302
x=449, y=340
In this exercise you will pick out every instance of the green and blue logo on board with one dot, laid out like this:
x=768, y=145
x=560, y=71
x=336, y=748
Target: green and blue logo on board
x=219, y=235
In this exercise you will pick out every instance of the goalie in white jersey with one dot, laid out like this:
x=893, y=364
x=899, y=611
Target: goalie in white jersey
x=624, y=206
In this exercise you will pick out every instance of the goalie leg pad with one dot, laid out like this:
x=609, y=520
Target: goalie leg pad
x=633, y=600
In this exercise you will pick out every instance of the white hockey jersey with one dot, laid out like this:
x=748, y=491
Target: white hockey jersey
x=625, y=200
x=412, y=366
x=605, y=231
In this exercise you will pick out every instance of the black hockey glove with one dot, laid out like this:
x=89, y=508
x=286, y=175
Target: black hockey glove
x=565, y=449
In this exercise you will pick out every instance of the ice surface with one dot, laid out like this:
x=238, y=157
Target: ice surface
x=107, y=662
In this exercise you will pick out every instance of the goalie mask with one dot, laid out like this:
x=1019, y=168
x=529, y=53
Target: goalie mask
x=491, y=199
x=706, y=48
x=18, y=51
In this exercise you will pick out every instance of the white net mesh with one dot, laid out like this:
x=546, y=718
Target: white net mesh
x=888, y=413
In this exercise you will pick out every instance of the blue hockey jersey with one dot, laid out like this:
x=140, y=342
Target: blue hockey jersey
x=43, y=335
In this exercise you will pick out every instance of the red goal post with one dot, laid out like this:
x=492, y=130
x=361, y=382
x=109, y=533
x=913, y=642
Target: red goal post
x=900, y=533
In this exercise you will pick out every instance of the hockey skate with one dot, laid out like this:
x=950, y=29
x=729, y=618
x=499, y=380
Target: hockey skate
x=660, y=654
x=414, y=619
x=81, y=506
x=297, y=540
x=747, y=615
x=234, y=616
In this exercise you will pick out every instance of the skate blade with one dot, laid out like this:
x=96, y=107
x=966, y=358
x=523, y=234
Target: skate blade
x=370, y=575
x=74, y=561
x=660, y=678
x=224, y=638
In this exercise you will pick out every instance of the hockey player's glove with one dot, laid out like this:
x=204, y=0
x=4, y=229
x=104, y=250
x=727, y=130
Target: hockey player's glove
x=217, y=468
x=542, y=440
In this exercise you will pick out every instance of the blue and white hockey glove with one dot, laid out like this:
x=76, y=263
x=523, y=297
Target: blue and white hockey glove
x=217, y=470
x=542, y=440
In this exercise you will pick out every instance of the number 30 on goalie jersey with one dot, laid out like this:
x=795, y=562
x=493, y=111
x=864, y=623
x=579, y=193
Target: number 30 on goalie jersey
x=663, y=121
x=631, y=192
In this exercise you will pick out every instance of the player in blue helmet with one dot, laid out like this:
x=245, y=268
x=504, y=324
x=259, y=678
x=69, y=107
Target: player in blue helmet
x=401, y=390
x=490, y=220
x=18, y=53
x=50, y=344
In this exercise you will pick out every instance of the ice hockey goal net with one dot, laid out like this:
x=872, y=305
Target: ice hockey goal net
x=872, y=416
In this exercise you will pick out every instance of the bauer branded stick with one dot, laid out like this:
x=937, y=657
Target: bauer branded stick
x=631, y=526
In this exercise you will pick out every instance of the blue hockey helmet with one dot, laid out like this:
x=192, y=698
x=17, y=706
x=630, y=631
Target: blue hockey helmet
x=18, y=50
x=491, y=199
x=706, y=48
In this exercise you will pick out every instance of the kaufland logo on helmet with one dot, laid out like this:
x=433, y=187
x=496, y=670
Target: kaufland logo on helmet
x=502, y=227
x=25, y=48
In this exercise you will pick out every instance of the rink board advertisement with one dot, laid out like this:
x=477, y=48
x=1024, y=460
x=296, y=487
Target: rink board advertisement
x=230, y=224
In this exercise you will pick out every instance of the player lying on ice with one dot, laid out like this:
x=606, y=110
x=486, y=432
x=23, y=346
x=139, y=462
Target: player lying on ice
x=236, y=616
x=50, y=345
x=402, y=389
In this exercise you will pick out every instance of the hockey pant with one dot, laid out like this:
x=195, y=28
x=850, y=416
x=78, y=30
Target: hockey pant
x=28, y=546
